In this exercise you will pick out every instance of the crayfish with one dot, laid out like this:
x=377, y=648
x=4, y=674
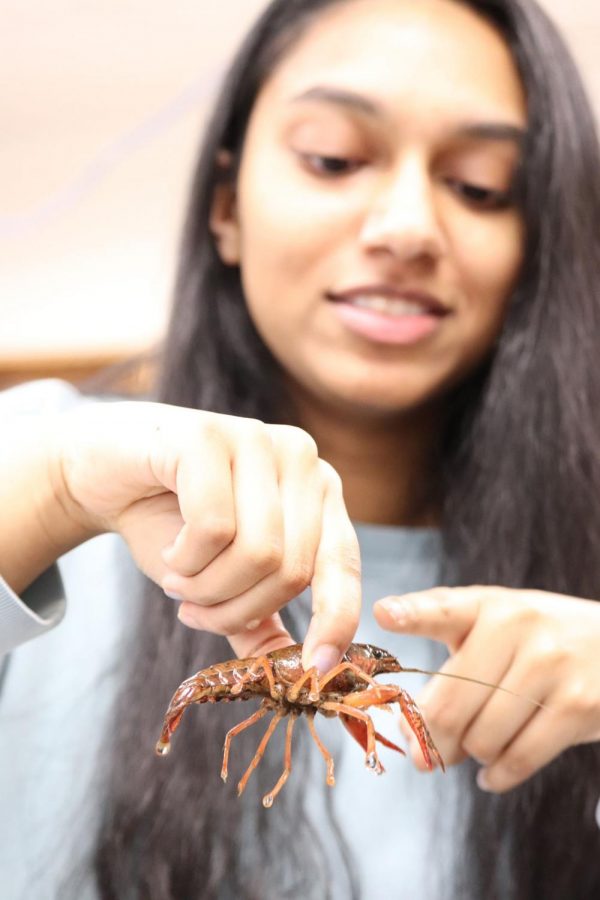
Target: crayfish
x=288, y=690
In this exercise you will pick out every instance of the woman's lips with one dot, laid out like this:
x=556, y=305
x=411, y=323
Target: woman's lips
x=387, y=315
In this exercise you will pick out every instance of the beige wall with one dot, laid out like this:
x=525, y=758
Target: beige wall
x=102, y=104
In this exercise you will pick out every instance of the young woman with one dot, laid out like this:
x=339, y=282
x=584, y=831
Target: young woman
x=390, y=258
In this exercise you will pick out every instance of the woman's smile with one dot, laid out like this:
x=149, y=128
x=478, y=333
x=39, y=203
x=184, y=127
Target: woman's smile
x=388, y=315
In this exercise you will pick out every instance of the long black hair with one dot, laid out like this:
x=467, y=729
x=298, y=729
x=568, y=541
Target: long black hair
x=521, y=474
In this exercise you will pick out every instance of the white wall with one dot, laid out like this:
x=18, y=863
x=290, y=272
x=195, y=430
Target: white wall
x=102, y=104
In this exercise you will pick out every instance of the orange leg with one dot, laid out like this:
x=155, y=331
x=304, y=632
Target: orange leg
x=323, y=749
x=372, y=760
x=287, y=762
x=345, y=667
x=261, y=662
x=358, y=731
x=278, y=716
x=236, y=730
x=294, y=692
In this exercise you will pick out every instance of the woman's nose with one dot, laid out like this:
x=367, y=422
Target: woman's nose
x=402, y=219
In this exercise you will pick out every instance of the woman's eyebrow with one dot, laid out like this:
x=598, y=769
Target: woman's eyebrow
x=341, y=97
x=490, y=131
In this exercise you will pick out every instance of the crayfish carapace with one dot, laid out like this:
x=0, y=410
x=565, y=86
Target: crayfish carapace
x=287, y=690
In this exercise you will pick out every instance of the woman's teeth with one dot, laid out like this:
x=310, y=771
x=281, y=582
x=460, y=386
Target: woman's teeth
x=390, y=306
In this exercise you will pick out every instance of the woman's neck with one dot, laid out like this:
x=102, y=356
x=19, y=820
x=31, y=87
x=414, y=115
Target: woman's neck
x=388, y=465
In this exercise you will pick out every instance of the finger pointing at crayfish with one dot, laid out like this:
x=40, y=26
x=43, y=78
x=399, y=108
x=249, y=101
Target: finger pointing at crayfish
x=334, y=576
x=540, y=648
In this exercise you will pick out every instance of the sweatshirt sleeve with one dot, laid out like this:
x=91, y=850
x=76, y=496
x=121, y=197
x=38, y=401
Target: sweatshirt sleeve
x=42, y=605
x=39, y=609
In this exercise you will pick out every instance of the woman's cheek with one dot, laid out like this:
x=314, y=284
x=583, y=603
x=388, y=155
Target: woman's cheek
x=491, y=260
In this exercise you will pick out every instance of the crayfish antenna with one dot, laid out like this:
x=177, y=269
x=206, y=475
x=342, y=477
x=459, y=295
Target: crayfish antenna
x=479, y=681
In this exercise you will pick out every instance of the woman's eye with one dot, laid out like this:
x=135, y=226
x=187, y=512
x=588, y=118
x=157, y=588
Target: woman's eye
x=329, y=165
x=481, y=197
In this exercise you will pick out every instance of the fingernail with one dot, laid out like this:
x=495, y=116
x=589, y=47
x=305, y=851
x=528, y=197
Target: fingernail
x=400, y=610
x=325, y=658
x=186, y=619
x=173, y=596
x=252, y=624
x=482, y=780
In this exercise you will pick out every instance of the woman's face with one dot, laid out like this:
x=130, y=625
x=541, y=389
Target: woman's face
x=373, y=220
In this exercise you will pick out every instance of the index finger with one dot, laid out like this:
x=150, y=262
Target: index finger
x=336, y=587
x=443, y=614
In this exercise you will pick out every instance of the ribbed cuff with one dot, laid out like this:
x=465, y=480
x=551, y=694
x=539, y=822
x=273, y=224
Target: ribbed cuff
x=40, y=608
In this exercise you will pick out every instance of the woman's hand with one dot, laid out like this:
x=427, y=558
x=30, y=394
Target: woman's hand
x=541, y=646
x=229, y=515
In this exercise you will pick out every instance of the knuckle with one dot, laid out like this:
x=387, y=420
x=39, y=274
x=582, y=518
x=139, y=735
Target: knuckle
x=347, y=611
x=441, y=718
x=444, y=597
x=217, y=621
x=351, y=562
x=209, y=427
x=523, y=614
x=579, y=700
x=330, y=476
x=550, y=652
x=264, y=557
x=216, y=531
x=256, y=431
x=479, y=749
x=346, y=558
x=517, y=765
x=297, y=576
x=301, y=441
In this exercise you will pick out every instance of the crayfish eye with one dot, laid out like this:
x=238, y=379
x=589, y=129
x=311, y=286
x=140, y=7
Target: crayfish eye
x=378, y=653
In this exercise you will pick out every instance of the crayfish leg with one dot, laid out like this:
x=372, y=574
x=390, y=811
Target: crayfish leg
x=358, y=730
x=278, y=716
x=236, y=730
x=287, y=762
x=322, y=749
x=264, y=663
x=414, y=717
x=372, y=760
x=345, y=667
x=313, y=695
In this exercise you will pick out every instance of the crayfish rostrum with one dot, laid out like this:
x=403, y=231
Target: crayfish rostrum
x=288, y=690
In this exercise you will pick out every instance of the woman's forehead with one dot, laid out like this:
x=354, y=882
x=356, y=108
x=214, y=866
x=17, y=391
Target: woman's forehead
x=402, y=52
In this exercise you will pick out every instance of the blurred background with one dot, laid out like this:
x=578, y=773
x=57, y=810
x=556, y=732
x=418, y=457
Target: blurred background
x=103, y=103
